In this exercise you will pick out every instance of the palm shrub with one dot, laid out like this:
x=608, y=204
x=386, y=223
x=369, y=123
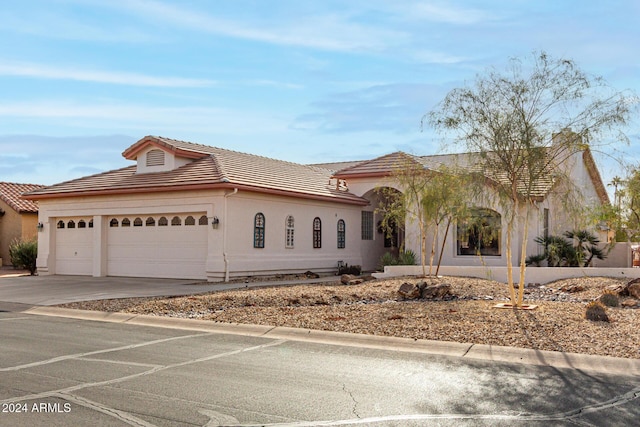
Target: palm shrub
x=23, y=254
x=575, y=248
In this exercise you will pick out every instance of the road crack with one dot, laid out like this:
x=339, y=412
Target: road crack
x=353, y=399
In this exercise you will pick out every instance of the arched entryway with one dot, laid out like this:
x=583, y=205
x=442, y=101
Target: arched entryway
x=379, y=236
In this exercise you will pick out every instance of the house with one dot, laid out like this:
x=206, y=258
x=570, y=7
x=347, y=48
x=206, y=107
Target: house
x=18, y=217
x=188, y=210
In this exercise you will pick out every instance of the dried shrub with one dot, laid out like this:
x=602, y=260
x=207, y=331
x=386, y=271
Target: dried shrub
x=610, y=299
x=596, y=312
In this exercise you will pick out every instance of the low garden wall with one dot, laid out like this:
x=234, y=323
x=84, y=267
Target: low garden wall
x=539, y=275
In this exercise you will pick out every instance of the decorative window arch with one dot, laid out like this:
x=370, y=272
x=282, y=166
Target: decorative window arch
x=137, y=222
x=289, y=227
x=176, y=220
x=151, y=222
x=82, y=224
x=480, y=234
x=113, y=222
x=60, y=224
x=317, y=233
x=258, y=230
x=341, y=234
x=203, y=220
x=163, y=222
x=190, y=220
x=71, y=224
x=126, y=222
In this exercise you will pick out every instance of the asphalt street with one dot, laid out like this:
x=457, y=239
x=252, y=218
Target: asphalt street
x=59, y=371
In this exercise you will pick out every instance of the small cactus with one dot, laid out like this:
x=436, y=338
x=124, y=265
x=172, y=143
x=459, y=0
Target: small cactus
x=596, y=312
x=610, y=299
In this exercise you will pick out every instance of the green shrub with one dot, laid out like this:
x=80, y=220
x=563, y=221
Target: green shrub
x=596, y=312
x=23, y=254
x=387, y=259
x=609, y=298
x=406, y=258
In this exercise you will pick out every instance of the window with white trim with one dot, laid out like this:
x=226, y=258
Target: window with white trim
x=289, y=226
x=341, y=234
x=367, y=225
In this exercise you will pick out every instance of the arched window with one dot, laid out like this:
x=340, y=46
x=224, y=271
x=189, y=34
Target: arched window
x=137, y=222
x=317, y=233
x=176, y=220
x=163, y=221
x=151, y=222
x=289, y=232
x=341, y=234
x=203, y=220
x=126, y=222
x=190, y=220
x=60, y=224
x=82, y=224
x=113, y=222
x=480, y=234
x=258, y=230
x=71, y=224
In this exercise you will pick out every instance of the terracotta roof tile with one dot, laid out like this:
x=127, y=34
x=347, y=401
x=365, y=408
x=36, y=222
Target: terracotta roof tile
x=11, y=194
x=217, y=167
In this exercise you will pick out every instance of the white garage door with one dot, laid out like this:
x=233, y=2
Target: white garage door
x=74, y=246
x=173, y=246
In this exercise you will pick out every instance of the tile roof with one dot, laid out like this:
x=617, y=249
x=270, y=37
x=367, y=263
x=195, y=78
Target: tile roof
x=214, y=168
x=380, y=166
x=11, y=194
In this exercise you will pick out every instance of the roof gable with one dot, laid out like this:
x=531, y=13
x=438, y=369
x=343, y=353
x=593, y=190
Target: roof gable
x=11, y=194
x=380, y=166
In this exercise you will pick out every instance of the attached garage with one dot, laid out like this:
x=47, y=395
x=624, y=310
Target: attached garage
x=74, y=246
x=172, y=246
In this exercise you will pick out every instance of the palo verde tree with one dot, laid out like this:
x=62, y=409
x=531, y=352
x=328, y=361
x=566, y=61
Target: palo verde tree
x=431, y=198
x=509, y=119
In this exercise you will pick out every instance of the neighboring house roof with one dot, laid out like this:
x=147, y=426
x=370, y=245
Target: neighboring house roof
x=212, y=168
x=10, y=193
x=378, y=167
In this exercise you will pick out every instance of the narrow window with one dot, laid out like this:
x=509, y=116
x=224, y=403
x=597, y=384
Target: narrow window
x=258, y=231
x=203, y=220
x=367, y=225
x=155, y=158
x=163, y=222
x=317, y=233
x=90, y=223
x=71, y=224
x=137, y=222
x=60, y=224
x=82, y=224
x=176, y=220
x=126, y=222
x=190, y=220
x=289, y=232
x=341, y=234
x=150, y=222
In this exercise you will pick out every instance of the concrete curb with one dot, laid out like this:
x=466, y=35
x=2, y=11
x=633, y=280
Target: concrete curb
x=560, y=360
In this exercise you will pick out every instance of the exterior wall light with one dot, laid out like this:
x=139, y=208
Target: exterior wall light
x=40, y=226
x=215, y=222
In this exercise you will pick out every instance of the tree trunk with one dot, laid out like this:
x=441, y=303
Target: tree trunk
x=523, y=256
x=444, y=240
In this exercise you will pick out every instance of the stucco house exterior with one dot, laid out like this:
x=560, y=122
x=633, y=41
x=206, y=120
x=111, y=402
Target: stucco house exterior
x=18, y=216
x=188, y=210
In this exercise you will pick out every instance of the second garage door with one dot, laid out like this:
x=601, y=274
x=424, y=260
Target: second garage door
x=172, y=246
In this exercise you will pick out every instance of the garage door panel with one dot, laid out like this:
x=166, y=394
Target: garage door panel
x=74, y=251
x=178, y=251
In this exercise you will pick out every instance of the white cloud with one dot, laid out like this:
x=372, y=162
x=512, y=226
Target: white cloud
x=42, y=71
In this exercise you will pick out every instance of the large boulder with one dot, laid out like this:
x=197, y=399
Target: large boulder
x=409, y=291
x=634, y=290
x=438, y=291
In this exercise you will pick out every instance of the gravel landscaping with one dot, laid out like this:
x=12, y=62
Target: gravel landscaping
x=375, y=308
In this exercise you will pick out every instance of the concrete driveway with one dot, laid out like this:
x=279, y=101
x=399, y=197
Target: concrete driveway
x=58, y=289
x=51, y=290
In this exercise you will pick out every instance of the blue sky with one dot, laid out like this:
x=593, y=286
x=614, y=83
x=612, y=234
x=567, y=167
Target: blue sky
x=304, y=81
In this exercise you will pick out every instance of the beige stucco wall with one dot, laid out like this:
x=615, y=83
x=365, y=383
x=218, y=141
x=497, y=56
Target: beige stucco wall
x=230, y=249
x=14, y=226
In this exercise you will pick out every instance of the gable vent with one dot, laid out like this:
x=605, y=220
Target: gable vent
x=155, y=158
